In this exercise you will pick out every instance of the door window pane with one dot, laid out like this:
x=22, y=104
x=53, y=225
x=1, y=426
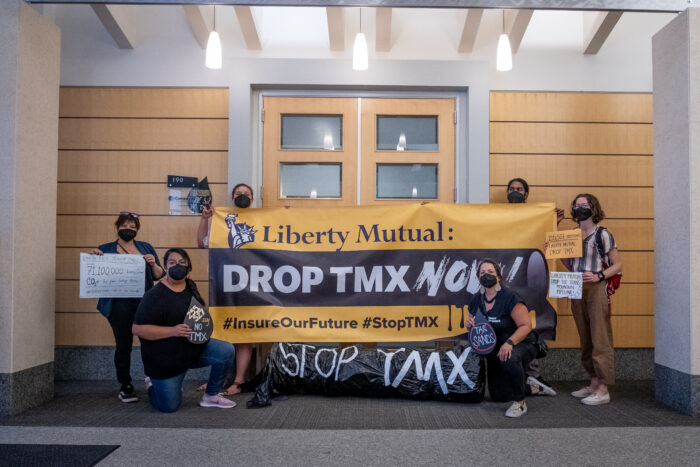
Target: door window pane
x=310, y=180
x=312, y=131
x=407, y=181
x=407, y=132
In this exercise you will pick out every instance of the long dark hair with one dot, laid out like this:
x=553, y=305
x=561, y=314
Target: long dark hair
x=191, y=285
x=491, y=262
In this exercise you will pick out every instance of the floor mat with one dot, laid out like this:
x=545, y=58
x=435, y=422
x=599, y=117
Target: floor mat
x=55, y=455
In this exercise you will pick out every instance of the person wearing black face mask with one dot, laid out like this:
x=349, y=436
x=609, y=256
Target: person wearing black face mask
x=166, y=352
x=517, y=191
x=592, y=312
x=506, y=312
x=242, y=196
x=120, y=311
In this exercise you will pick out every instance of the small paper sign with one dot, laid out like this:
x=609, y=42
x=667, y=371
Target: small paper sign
x=565, y=284
x=112, y=276
x=564, y=244
x=200, y=322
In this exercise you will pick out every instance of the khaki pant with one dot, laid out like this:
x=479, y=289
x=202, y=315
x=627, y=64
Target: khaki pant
x=595, y=332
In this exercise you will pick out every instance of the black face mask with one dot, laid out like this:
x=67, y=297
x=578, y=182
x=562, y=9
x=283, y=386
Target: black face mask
x=177, y=272
x=126, y=234
x=488, y=280
x=582, y=214
x=516, y=197
x=242, y=201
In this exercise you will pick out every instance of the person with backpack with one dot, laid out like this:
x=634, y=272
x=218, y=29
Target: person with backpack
x=601, y=265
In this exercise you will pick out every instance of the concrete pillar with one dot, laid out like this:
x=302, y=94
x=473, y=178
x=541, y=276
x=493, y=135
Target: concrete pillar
x=676, y=57
x=29, y=86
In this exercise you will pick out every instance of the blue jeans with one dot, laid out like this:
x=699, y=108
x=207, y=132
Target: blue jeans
x=166, y=394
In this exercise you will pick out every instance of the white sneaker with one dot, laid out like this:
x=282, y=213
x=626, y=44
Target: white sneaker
x=516, y=410
x=596, y=399
x=216, y=401
x=583, y=392
x=542, y=389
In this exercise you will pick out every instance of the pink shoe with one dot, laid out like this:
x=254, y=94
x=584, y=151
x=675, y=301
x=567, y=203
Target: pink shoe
x=216, y=401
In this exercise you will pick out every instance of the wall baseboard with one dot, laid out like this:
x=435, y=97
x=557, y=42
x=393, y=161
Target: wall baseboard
x=26, y=389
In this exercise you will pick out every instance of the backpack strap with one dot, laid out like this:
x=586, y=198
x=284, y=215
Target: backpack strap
x=599, y=243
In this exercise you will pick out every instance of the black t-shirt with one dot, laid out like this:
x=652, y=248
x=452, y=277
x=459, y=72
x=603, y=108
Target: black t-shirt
x=499, y=316
x=169, y=357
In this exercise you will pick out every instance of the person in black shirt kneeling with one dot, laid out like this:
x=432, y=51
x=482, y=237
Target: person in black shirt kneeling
x=506, y=312
x=166, y=352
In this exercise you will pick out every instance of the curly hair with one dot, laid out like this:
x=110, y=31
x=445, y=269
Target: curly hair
x=596, y=209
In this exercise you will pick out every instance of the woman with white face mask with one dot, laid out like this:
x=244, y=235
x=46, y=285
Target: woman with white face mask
x=120, y=311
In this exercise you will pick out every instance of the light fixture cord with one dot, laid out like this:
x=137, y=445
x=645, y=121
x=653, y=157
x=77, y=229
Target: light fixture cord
x=360, y=19
x=214, y=17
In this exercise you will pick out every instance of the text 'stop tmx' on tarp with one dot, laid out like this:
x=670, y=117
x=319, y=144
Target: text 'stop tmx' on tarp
x=369, y=274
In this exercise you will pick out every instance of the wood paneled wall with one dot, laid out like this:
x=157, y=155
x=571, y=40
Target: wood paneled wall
x=569, y=143
x=116, y=148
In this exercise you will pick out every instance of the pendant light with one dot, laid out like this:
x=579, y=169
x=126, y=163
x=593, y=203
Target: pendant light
x=504, y=57
x=213, y=57
x=359, y=50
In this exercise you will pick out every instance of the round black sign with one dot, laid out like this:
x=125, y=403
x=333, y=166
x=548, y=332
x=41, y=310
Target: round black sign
x=482, y=338
x=198, y=199
x=200, y=323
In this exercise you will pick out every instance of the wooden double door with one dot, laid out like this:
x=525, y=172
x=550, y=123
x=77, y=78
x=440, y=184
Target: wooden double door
x=317, y=152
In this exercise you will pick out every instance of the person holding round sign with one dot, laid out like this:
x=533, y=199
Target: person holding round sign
x=505, y=313
x=172, y=343
x=120, y=311
x=600, y=262
x=242, y=196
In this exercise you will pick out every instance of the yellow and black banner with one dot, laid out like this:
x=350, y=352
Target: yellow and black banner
x=369, y=274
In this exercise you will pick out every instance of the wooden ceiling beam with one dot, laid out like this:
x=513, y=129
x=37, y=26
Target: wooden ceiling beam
x=335, y=17
x=117, y=23
x=247, y=22
x=198, y=26
x=597, y=29
x=383, y=30
x=518, y=28
x=470, y=30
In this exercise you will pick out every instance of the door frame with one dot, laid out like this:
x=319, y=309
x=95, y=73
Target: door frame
x=460, y=96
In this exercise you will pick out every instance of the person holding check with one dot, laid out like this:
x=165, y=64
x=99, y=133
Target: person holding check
x=120, y=311
x=506, y=312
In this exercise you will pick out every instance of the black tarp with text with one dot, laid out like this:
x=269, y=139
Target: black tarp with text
x=448, y=375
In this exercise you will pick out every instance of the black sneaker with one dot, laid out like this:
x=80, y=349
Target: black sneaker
x=127, y=394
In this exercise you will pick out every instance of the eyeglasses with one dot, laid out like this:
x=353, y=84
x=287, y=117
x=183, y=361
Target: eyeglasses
x=584, y=205
x=130, y=214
